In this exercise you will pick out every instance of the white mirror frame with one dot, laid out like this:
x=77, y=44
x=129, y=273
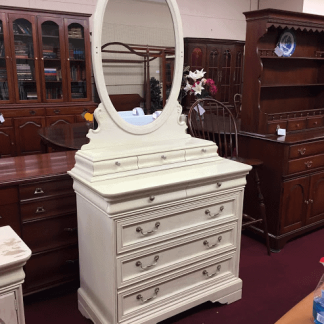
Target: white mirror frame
x=172, y=102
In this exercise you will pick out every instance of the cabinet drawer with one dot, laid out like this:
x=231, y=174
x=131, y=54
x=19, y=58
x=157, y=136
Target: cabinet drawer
x=48, y=207
x=296, y=124
x=48, y=188
x=313, y=122
x=69, y=110
x=135, y=233
x=50, y=233
x=26, y=112
x=8, y=196
x=305, y=164
x=150, y=160
x=307, y=149
x=54, y=267
x=175, y=254
x=272, y=126
x=201, y=152
x=9, y=215
x=178, y=286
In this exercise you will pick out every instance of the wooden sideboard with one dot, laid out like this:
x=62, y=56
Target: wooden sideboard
x=38, y=202
x=285, y=93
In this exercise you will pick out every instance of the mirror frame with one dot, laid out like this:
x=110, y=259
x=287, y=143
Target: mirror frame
x=172, y=102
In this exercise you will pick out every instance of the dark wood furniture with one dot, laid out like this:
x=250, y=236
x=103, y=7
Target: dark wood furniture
x=211, y=120
x=38, y=202
x=45, y=74
x=223, y=62
x=124, y=102
x=286, y=93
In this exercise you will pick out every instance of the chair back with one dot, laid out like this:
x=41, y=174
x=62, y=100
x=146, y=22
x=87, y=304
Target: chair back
x=211, y=120
x=238, y=104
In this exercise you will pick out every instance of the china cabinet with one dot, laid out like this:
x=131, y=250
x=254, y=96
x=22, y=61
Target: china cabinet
x=45, y=74
x=159, y=212
x=284, y=95
x=222, y=60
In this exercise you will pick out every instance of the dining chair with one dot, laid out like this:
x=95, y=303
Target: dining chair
x=211, y=120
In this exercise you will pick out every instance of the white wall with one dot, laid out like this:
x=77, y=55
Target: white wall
x=290, y=5
x=314, y=7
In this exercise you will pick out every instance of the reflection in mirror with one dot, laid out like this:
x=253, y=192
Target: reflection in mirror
x=138, y=52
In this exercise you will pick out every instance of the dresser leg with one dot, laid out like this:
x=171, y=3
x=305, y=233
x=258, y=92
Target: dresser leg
x=231, y=298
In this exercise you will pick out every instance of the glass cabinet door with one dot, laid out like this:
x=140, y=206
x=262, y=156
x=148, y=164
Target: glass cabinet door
x=6, y=94
x=52, y=54
x=78, y=67
x=25, y=60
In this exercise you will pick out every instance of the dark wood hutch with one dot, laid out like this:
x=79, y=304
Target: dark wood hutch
x=45, y=74
x=286, y=93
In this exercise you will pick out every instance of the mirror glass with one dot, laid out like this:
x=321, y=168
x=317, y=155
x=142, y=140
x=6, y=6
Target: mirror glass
x=138, y=56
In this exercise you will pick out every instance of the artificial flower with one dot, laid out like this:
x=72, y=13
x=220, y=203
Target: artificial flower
x=199, y=74
x=197, y=88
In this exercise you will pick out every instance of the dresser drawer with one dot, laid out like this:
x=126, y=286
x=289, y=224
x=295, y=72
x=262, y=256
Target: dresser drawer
x=150, y=160
x=201, y=152
x=8, y=196
x=134, y=233
x=307, y=149
x=50, y=233
x=274, y=125
x=306, y=164
x=181, y=285
x=48, y=207
x=175, y=254
x=9, y=215
x=54, y=267
x=296, y=124
x=313, y=122
x=48, y=188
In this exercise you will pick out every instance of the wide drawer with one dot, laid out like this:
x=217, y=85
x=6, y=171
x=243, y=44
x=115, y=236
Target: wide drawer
x=48, y=188
x=150, y=160
x=55, y=206
x=181, y=284
x=307, y=149
x=306, y=164
x=135, y=232
x=175, y=254
x=54, y=267
x=50, y=233
x=69, y=110
x=296, y=124
x=314, y=122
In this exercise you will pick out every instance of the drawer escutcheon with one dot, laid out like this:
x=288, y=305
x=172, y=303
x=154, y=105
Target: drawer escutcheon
x=140, y=230
x=140, y=297
x=205, y=272
x=139, y=263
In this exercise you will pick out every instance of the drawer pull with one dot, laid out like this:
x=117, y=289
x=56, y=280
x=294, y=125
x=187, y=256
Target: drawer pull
x=0, y=217
x=309, y=164
x=38, y=191
x=163, y=157
x=205, y=272
x=140, y=230
x=306, y=202
x=40, y=210
x=207, y=212
x=213, y=245
x=218, y=184
x=302, y=151
x=204, y=150
x=311, y=201
x=72, y=261
x=139, y=263
x=32, y=112
x=117, y=163
x=140, y=297
x=152, y=198
x=70, y=229
x=57, y=111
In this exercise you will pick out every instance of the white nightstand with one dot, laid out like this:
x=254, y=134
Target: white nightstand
x=13, y=255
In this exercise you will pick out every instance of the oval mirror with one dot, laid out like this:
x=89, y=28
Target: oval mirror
x=138, y=57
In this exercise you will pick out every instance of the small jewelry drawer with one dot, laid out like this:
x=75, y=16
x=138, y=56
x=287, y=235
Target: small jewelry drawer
x=316, y=121
x=274, y=125
x=201, y=152
x=48, y=207
x=150, y=160
x=305, y=164
x=48, y=188
x=120, y=165
x=50, y=233
x=135, y=233
x=175, y=254
x=307, y=149
x=180, y=285
x=296, y=124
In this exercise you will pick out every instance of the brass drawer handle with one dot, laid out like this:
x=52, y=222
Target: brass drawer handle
x=38, y=191
x=139, y=263
x=302, y=151
x=306, y=202
x=207, y=212
x=156, y=227
x=40, y=210
x=311, y=201
x=57, y=111
x=309, y=164
x=140, y=297
x=70, y=229
x=205, y=272
x=206, y=243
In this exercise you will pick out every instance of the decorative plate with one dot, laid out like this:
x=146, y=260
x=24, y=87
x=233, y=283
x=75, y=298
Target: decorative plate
x=287, y=43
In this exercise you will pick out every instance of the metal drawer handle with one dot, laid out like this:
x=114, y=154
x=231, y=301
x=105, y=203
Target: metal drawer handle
x=72, y=261
x=218, y=184
x=140, y=297
x=213, y=245
x=32, y=112
x=309, y=164
x=140, y=230
x=207, y=212
x=306, y=202
x=0, y=217
x=117, y=163
x=204, y=150
x=70, y=229
x=57, y=111
x=152, y=198
x=302, y=151
x=311, y=201
x=163, y=157
x=139, y=263
x=38, y=191
x=205, y=272
x=40, y=210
